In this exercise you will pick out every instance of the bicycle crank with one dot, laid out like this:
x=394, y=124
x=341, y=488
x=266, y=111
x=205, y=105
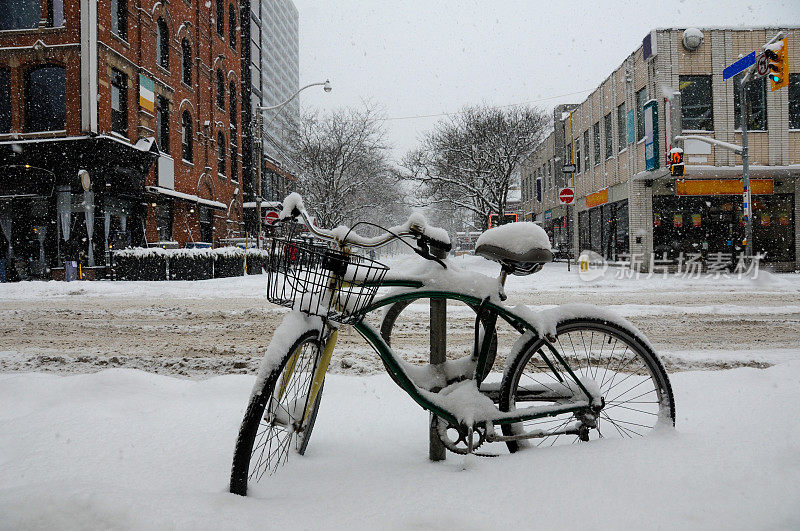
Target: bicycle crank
x=456, y=438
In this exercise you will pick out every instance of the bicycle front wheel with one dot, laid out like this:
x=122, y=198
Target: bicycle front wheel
x=279, y=419
x=636, y=392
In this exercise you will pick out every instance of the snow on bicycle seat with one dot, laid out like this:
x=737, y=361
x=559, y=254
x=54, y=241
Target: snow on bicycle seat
x=523, y=247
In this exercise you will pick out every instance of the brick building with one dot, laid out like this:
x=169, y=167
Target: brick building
x=623, y=208
x=119, y=126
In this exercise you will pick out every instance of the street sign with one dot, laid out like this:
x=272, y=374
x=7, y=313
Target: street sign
x=568, y=168
x=566, y=196
x=745, y=62
x=762, y=65
x=271, y=217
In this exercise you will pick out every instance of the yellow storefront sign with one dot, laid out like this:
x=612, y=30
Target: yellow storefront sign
x=722, y=187
x=597, y=198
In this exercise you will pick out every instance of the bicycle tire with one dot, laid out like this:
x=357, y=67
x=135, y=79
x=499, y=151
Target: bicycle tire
x=274, y=437
x=594, y=349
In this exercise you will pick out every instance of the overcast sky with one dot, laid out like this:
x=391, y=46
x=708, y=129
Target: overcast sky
x=421, y=57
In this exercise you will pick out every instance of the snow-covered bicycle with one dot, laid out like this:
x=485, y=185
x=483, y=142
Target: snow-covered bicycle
x=574, y=373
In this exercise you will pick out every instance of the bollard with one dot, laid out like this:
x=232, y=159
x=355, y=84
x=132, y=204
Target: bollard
x=438, y=334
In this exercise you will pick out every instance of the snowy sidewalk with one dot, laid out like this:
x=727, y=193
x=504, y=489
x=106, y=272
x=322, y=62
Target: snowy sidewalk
x=132, y=450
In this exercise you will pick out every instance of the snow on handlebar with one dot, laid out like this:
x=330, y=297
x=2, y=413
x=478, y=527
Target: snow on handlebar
x=415, y=226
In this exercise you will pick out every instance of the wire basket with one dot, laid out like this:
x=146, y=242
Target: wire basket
x=318, y=280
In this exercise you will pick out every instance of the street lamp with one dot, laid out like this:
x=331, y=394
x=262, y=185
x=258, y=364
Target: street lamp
x=326, y=86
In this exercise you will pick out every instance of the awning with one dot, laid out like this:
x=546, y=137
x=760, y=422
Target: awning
x=186, y=197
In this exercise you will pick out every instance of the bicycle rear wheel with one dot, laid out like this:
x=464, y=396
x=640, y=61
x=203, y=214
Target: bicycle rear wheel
x=632, y=381
x=278, y=419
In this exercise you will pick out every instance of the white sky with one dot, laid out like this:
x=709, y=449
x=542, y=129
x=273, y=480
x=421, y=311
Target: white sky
x=423, y=57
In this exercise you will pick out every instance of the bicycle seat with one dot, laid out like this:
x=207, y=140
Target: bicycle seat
x=521, y=247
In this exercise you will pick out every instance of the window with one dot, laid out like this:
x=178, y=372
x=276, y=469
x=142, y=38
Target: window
x=45, y=96
x=586, y=162
x=232, y=96
x=696, y=103
x=596, y=133
x=220, y=89
x=234, y=156
x=119, y=18
x=609, y=135
x=162, y=44
x=756, y=103
x=186, y=61
x=222, y=147
x=622, y=127
x=220, y=18
x=232, y=26
x=641, y=99
x=20, y=14
x=577, y=156
x=794, y=101
x=186, y=136
x=119, y=102
x=5, y=100
x=55, y=13
x=164, y=220
x=162, y=123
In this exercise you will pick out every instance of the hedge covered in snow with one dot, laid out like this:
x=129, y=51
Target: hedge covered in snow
x=155, y=263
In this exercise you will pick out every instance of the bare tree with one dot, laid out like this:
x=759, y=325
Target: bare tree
x=470, y=160
x=344, y=169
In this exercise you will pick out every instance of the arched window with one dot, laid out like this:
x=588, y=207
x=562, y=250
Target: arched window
x=186, y=61
x=220, y=17
x=232, y=103
x=162, y=44
x=234, y=156
x=232, y=26
x=220, y=89
x=20, y=14
x=186, y=136
x=45, y=97
x=221, y=149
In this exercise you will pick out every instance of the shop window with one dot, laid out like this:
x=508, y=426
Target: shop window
x=45, y=96
x=119, y=18
x=222, y=147
x=596, y=134
x=756, y=102
x=55, y=13
x=586, y=161
x=186, y=137
x=220, y=18
x=162, y=125
x=162, y=44
x=186, y=62
x=119, y=102
x=794, y=101
x=622, y=127
x=232, y=96
x=609, y=135
x=5, y=100
x=641, y=99
x=584, y=230
x=20, y=14
x=696, y=103
x=232, y=26
x=220, y=89
x=206, y=225
x=164, y=220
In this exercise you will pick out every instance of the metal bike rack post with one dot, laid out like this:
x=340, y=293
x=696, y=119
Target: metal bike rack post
x=438, y=342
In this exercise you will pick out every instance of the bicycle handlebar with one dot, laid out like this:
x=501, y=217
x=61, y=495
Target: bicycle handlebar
x=415, y=227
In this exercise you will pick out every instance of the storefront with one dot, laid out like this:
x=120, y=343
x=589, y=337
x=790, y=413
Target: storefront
x=604, y=230
x=69, y=199
x=554, y=222
x=705, y=217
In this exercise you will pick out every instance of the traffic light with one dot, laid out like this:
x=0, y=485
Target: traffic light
x=675, y=162
x=778, y=57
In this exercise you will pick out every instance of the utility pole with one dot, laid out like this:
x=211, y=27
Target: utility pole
x=747, y=196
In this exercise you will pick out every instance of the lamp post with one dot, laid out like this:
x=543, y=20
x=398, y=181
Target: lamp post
x=326, y=85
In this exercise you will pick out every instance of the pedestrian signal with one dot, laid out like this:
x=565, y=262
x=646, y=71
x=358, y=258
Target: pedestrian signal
x=675, y=162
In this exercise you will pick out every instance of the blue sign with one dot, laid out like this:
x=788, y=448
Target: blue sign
x=631, y=127
x=651, y=158
x=548, y=214
x=745, y=62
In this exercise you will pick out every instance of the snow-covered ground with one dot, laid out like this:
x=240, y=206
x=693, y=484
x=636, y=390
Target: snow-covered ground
x=127, y=449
